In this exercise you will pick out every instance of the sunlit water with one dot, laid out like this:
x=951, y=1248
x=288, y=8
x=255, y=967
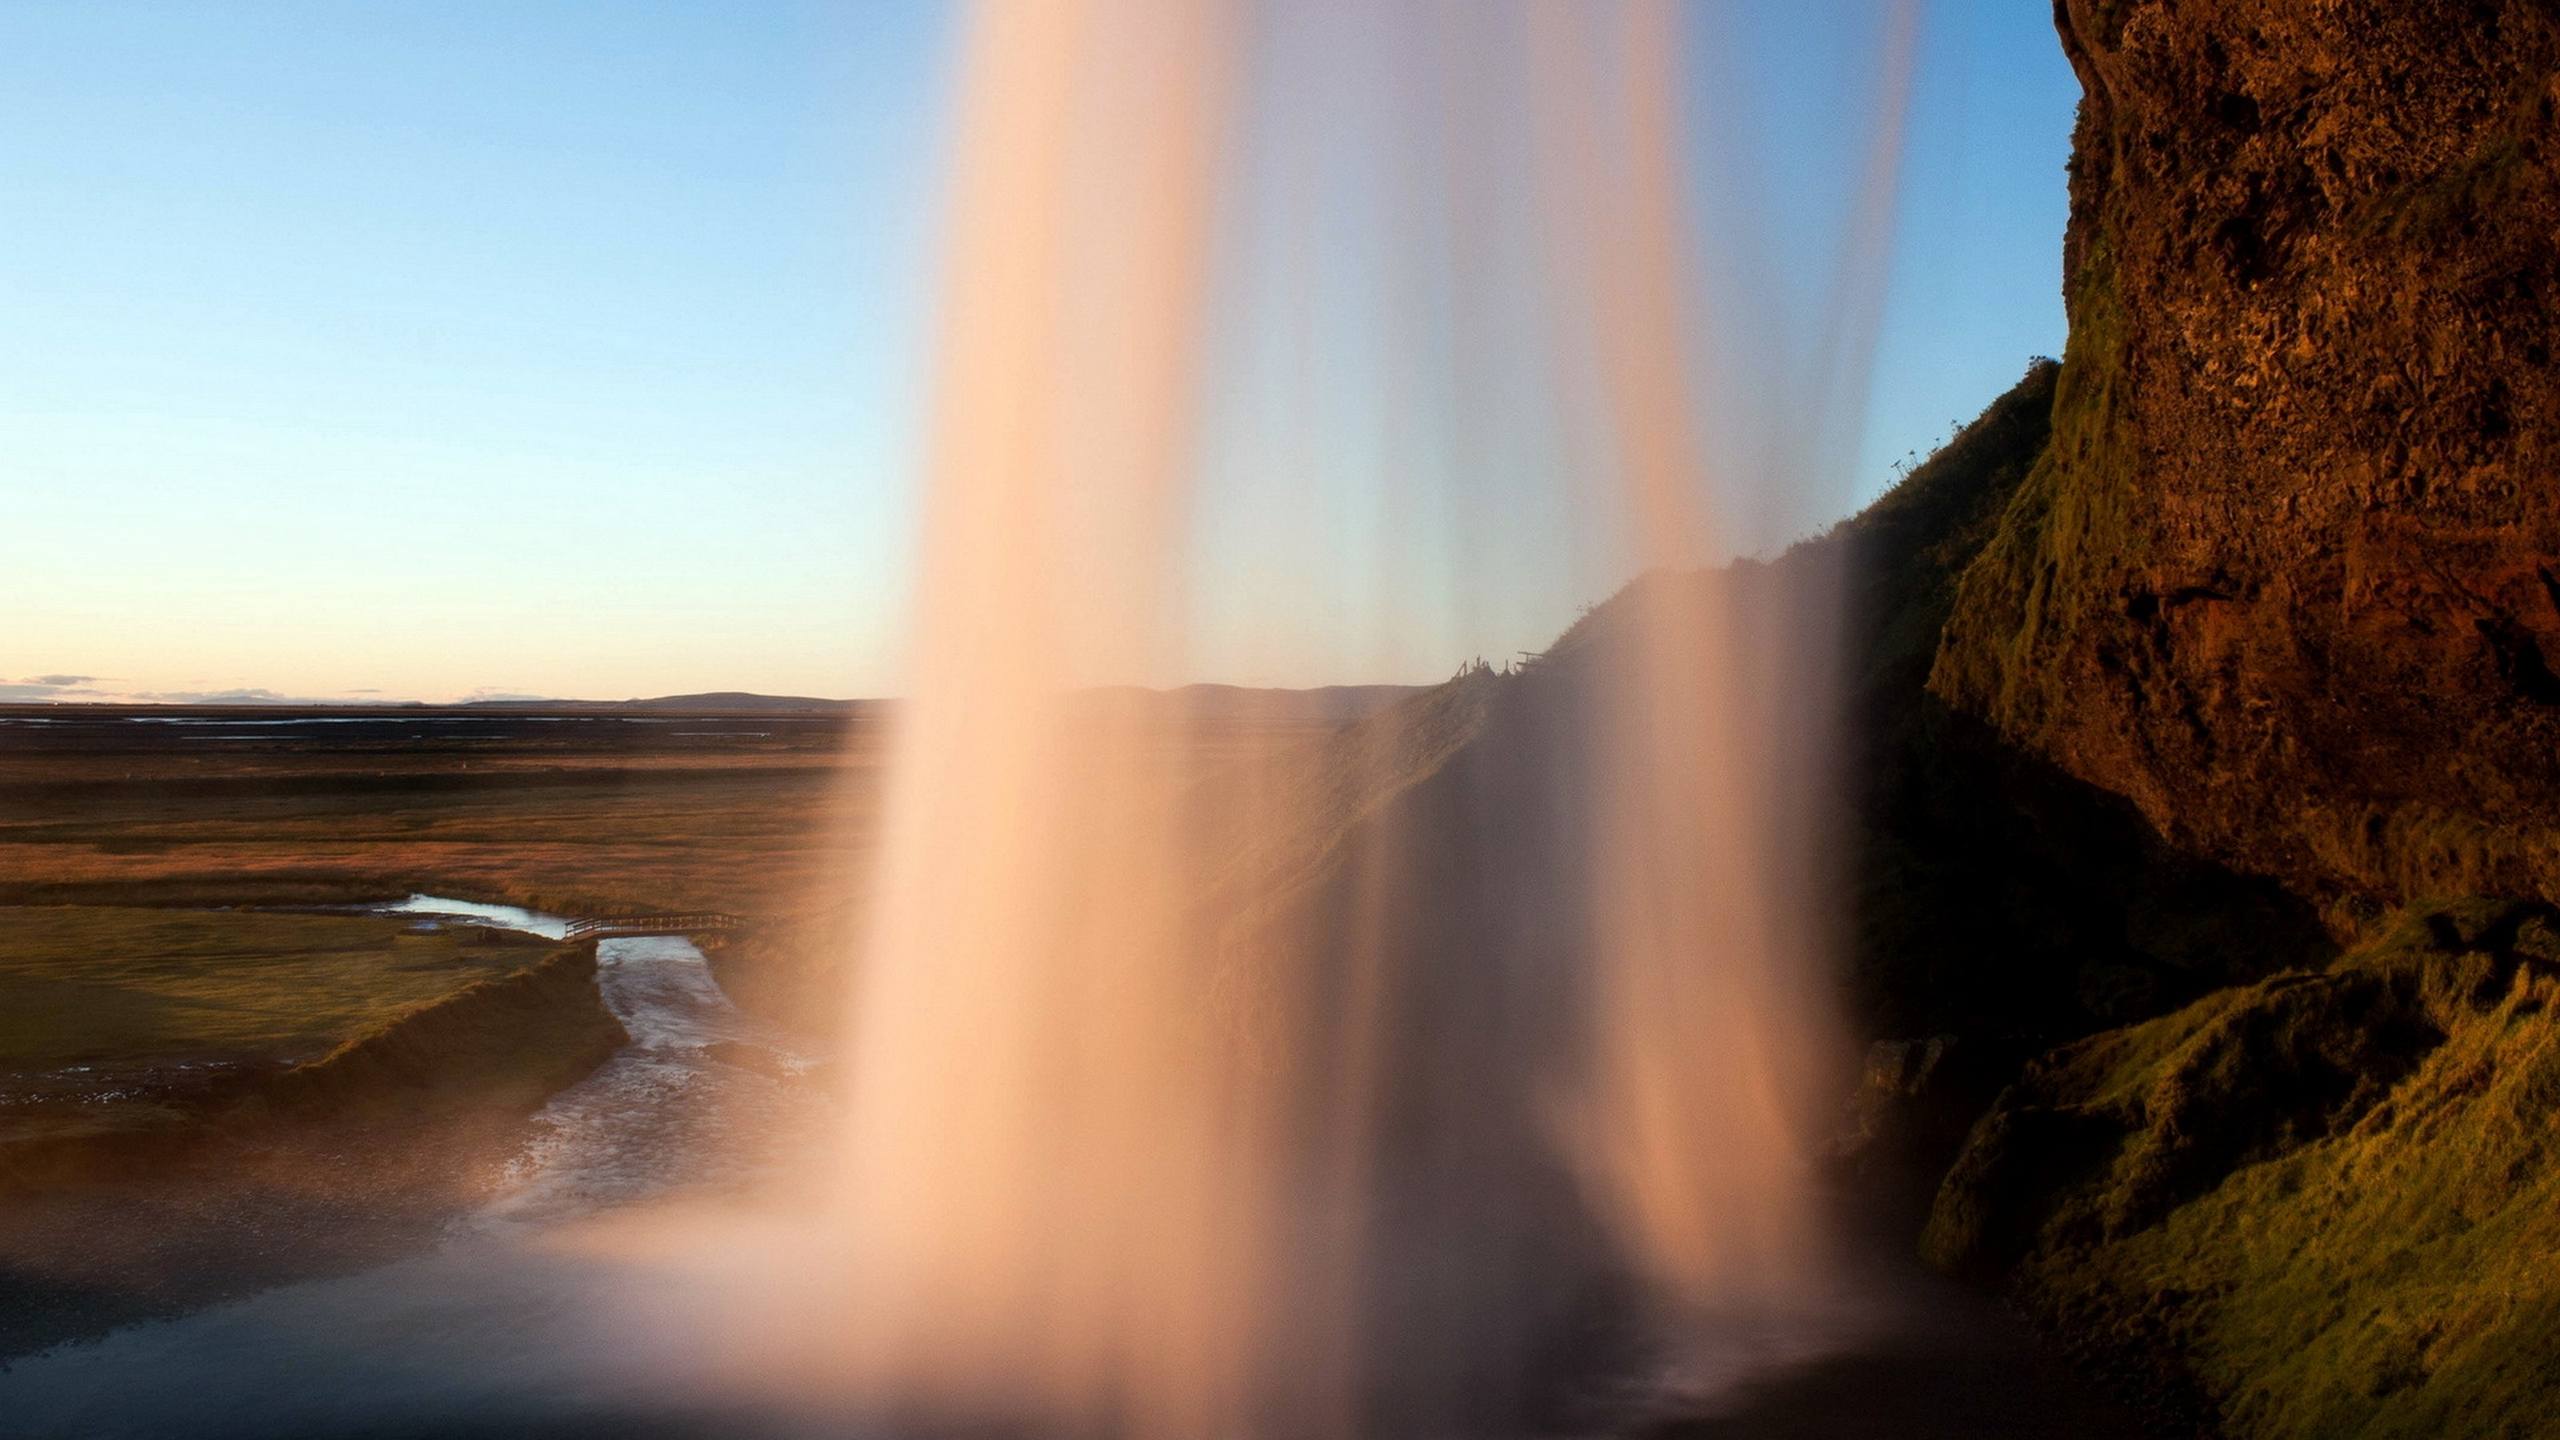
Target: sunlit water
x=504, y=917
x=525, y=1318
x=1372, y=1096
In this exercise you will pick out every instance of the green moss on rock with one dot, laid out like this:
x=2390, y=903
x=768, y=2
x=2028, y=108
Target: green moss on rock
x=2328, y=1203
x=1995, y=897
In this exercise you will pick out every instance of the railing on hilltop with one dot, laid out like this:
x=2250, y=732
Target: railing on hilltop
x=615, y=927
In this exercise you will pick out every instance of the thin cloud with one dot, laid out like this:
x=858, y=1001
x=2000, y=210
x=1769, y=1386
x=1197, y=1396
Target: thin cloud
x=39, y=688
x=221, y=697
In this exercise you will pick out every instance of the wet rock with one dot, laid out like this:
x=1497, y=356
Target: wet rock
x=1914, y=1097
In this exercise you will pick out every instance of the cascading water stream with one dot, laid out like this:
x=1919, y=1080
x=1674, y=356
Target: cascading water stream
x=1183, y=1109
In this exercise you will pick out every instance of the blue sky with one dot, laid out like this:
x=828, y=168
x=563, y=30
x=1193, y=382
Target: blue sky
x=572, y=349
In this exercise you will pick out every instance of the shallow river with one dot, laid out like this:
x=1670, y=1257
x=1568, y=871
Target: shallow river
x=501, y=1329
x=554, y=1310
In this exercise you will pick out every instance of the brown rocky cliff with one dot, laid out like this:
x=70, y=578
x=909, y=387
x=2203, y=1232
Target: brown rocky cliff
x=2289, y=576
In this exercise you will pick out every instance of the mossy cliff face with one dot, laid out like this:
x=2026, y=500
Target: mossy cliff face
x=2326, y=1204
x=2288, y=577
x=1993, y=897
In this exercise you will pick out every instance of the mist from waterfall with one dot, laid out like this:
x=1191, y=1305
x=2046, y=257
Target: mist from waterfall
x=1397, y=1080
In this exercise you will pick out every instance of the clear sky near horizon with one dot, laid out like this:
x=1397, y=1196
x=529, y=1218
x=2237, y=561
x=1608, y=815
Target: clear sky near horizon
x=501, y=348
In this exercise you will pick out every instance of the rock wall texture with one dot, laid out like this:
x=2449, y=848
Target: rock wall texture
x=2288, y=577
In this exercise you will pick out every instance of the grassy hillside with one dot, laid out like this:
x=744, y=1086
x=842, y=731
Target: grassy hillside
x=1993, y=898
x=2280, y=1185
x=2288, y=595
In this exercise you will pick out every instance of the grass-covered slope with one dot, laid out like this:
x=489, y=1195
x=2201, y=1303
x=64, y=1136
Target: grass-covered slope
x=1910, y=547
x=106, y=986
x=131, y=1019
x=2326, y=1204
x=1993, y=897
x=483, y=1052
x=346, y=1161
x=501, y=1045
x=1269, y=806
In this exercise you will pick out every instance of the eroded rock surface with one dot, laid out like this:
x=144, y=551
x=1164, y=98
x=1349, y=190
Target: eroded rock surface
x=2289, y=576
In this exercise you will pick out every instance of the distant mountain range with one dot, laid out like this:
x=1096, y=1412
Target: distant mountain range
x=1324, y=704
x=707, y=700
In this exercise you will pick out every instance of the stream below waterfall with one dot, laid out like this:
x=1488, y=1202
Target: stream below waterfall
x=508, y=1326
x=552, y=1312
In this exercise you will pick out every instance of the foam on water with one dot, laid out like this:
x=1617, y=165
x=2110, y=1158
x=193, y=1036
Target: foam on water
x=665, y=1111
x=503, y=917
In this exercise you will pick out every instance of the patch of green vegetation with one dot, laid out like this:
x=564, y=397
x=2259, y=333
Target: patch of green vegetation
x=1995, y=897
x=2068, y=519
x=2332, y=1198
x=503, y=1043
x=472, y=1060
x=115, y=987
x=1910, y=546
x=2415, y=848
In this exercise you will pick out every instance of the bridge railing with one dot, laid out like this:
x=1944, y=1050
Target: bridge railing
x=697, y=923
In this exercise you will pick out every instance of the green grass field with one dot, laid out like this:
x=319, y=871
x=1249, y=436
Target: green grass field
x=128, y=863
x=101, y=1006
x=116, y=986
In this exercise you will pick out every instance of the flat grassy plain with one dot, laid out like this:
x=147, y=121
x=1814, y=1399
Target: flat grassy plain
x=115, y=1018
x=576, y=813
x=208, y=1084
x=580, y=812
x=90, y=984
x=142, y=851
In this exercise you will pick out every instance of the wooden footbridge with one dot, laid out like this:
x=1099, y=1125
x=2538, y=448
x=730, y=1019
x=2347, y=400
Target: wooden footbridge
x=618, y=927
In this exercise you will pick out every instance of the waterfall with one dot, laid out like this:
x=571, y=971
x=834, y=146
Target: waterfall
x=1399, y=1078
